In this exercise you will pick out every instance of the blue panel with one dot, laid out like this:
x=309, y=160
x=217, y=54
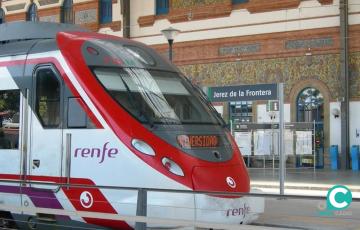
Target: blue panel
x=355, y=158
x=334, y=156
x=106, y=11
x=239, y=1
x=162, y=7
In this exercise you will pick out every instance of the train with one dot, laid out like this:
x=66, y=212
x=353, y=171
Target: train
x=83, y=114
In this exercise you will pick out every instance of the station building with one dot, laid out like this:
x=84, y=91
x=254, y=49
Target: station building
x=239, y=42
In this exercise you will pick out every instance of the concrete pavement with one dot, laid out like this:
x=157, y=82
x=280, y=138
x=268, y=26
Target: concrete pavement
x=304, y=213
x=312, y=182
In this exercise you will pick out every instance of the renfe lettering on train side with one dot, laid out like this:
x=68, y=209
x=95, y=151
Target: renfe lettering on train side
x=241, y=211
x=99, y=153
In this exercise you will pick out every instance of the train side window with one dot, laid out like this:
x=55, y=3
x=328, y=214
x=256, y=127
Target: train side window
x=47, y=98
x=9, y=119
x=76, y=115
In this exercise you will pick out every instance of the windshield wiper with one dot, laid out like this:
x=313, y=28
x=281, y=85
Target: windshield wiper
x=135, y=104
x=149, y=92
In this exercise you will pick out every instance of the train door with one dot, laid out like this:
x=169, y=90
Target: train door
x=45, y=123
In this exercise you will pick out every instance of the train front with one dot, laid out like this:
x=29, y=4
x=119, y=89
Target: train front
x=166, y=122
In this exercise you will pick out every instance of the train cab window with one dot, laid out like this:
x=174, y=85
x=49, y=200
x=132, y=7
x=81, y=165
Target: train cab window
x=47, y=98
x=155, y=97
x=9, y=119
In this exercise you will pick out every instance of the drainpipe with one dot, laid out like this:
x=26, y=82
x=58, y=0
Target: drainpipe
x=344, y=71
x=125, y=11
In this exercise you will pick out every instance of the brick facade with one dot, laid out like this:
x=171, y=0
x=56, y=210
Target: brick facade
x=288, y=57
x=15, y=17
x=185, y=10
x=300, y=59
x=86, y=14
x=50, y=14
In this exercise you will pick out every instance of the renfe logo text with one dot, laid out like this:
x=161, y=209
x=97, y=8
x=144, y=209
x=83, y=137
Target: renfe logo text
x=243, y=211
x=100, y=153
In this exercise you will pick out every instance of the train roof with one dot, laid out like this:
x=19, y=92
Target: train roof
x=17, y=38
x=23, y=38
x=17, y=31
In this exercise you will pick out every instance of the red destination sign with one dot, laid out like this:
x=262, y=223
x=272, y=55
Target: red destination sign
x=198, y=141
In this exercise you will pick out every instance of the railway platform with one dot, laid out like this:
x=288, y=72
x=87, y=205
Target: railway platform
x=319, y=180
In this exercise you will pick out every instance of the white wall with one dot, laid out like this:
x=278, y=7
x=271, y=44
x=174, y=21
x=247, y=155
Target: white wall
x=262, y=115
x=335, y=124
x=310, y=15
x=116, y=12
x=354, y=122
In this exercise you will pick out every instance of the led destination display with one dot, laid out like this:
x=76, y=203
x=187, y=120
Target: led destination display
x=198, y=141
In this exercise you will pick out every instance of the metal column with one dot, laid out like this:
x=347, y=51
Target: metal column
x=125, y=11
x=141, y=209
x=344, y=77
x=282, y=163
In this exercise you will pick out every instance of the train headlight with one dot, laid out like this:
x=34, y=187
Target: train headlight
x=172, y=167
x=143, y=147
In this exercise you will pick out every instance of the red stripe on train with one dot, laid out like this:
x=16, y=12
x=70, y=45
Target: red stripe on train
x=74, y=194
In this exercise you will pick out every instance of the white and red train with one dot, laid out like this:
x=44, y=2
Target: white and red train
x=94, y=110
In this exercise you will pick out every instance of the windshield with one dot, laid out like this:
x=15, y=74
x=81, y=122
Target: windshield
x=153, y=96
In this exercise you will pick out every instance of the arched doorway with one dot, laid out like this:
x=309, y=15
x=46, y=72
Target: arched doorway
x=310, y=108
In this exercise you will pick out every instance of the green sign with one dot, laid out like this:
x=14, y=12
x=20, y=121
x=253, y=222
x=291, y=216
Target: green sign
x=272, y=106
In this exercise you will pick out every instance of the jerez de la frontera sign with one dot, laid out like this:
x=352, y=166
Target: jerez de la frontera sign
x=243, y=93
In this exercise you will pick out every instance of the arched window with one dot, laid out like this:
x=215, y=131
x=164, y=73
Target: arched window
x=31, y=14
x=67, y=12
x=310, y=106
x=105, y=11
x=2, y=16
